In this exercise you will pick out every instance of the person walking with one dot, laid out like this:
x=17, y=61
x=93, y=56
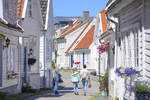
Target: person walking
x=85, y=78
x=75, y=78
x=56, y=80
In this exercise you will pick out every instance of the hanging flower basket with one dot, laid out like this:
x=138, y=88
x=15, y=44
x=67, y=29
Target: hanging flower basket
x=2, y=37
x=103, y=47
x=31, y=61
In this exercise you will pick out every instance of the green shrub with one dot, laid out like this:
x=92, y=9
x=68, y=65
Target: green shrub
x=116, y=98
x=93, y=73
x=142, y=88
x=28, y=90
x=3, y=96
x=15, y=99
x=53, y=65
x=106, y=74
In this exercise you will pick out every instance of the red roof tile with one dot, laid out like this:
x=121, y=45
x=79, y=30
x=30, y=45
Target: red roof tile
x=78, y=37
x=20, y=8
x=104, y=21
x=86, y=40
x=70, y=30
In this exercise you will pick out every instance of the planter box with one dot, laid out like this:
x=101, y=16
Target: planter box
x=142, y=96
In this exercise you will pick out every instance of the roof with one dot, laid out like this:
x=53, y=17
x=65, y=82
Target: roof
x=78, y=37
x=43, y=5
x=59, y=19
x=2, y=21
x=110, y=3
x=20, y=7
x=78, y=20
x=103, y=21
x=68, y=30
x=5, y=23
x=87, y=39
x=63, y=30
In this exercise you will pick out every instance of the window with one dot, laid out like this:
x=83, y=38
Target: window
x=136, y=45
x=11, y=60
x=10, y=11
x=130, y=46
x=30, y=8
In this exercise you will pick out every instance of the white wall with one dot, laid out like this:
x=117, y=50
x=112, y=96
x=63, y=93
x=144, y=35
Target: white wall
x=31, y=35
x=10, y=85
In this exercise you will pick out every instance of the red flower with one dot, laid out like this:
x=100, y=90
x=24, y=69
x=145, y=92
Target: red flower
x=77, y=63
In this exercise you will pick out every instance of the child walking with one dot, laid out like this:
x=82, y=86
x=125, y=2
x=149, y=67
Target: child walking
x=75, y=78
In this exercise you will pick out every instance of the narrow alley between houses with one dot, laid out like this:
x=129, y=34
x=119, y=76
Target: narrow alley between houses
x=74, y=49
x=66, y=90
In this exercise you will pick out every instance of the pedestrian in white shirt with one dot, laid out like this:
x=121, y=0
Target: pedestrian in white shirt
x=85, y=78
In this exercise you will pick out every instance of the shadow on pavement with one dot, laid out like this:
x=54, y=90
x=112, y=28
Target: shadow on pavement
x=62, y=92
x=66, y=90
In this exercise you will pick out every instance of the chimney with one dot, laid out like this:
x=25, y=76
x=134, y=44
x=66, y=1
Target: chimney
x=70, y=23
x=85, y=16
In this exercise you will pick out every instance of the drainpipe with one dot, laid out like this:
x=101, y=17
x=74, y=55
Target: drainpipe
x=116, y=31
x=44, y=80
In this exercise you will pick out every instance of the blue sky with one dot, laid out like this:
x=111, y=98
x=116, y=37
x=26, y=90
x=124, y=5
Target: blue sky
x=76, y=7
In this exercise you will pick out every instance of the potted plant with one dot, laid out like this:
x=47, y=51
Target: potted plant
x=142, y=92
x=121, y=71
x=93, y=73
x=31, y=61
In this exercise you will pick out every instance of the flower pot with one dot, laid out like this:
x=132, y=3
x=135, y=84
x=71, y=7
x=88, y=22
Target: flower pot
x=31, y=61
x=142, y=96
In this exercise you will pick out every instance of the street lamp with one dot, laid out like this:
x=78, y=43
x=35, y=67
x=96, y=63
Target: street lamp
x=30, y=52
x=7, y=43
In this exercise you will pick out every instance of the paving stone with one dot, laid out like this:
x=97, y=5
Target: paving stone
x=67, y=92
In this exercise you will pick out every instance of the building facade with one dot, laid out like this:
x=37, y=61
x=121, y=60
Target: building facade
x=10, y=33
x=131, y=32
x=46, y=42
x=29, y=18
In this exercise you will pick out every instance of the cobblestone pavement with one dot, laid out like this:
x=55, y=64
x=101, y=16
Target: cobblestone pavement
x=67, y=92
x=100, y=98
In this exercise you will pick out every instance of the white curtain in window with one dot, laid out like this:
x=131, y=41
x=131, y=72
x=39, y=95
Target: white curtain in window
x=11, y=60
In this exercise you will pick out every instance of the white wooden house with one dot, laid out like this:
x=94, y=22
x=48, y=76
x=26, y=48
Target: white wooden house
x=83, y=48
x=131, y=20
x=75, y=45
x=10, y=33
x=46, y=41
x=29, y=18
x=100, y=39
x=67, y=36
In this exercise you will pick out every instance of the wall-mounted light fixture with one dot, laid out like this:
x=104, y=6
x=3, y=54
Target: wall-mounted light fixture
x=7, y=43
x=30, y=52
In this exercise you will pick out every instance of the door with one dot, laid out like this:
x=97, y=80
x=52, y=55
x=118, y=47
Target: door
x=25, y=64
x=1, y=49
x=72, y=61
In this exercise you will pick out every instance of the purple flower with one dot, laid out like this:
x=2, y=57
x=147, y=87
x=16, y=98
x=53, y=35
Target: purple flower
x=117, y=71
x=102, y=89
x=130, y=71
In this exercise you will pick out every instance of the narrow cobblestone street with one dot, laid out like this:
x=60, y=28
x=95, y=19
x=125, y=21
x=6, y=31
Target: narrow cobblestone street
x=67, y=92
